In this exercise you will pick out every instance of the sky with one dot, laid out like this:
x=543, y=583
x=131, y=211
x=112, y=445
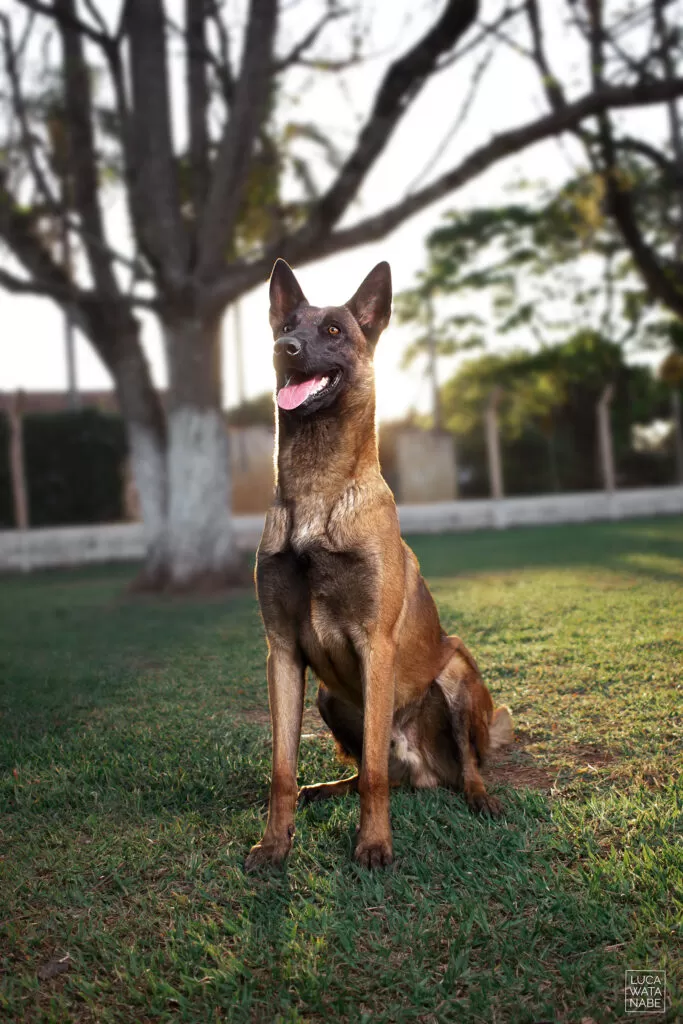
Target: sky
x=31, y=343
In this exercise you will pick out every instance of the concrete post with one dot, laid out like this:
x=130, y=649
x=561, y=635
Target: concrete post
x=16, y=454
x=605, y=439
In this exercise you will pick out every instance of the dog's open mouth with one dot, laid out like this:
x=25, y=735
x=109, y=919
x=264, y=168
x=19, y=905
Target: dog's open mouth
x=298, y=390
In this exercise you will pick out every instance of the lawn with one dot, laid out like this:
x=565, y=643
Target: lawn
x=134, y=763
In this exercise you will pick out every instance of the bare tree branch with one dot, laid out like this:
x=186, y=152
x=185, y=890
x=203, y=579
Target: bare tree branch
x=401, y=84
x=221, y=63
x=486, y=31
x=19, y=229
x=155, y=185
x=136, y=217
x=551, y=85
x=231, y=168
x=197, y=101
x=675, y=132
x=96, y=15
x=29, y=286
x=81, y=158
x=47, y=276
x=298, y=250
x=200, y=46
x=66, y=17
x=495, y=29
x=463, y=113
x=296, y=53
x=654, y=155
x=662, y=282
x=501, y=146
x=70, y=18
x=41, y=182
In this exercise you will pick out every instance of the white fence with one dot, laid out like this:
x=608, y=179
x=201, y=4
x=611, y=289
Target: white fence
x=23, y=550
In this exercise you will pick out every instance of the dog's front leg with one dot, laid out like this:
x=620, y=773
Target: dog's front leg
x=374, y=847
x=286, y=676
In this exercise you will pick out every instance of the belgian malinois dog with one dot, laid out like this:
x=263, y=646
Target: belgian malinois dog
x=342, y=593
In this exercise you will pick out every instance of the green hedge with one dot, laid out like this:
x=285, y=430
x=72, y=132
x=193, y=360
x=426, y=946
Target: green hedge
x=74, y=467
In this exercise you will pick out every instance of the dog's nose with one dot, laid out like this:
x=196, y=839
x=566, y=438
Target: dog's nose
x=287, y=347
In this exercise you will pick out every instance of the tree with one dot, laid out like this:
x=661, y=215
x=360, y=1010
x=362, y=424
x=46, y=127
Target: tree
x=207, y=218
x=639, y=180
x=642, y=178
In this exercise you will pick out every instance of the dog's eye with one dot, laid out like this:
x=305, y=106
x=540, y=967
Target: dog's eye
x=286, y=329
x=333, y=329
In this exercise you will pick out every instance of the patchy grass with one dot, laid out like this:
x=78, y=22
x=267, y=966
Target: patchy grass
x=134, y=763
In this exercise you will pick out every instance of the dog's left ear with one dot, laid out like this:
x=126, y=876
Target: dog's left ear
x=371, y=305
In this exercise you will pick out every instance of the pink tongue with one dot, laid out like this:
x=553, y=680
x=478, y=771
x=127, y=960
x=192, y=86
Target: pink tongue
x=294, y=395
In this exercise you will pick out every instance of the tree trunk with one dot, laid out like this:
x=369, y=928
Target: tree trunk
x=144, y=420
x=201, y=549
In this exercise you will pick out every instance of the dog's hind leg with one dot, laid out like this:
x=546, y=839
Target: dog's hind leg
x=470, y=710
x=345, y=722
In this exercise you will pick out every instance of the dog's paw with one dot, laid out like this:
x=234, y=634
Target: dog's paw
x=267, y=854
x=485, y=804
x=373, y=853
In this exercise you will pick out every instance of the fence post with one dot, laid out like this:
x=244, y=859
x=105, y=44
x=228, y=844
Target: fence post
x=678, y=433
x=605, y=438
x=241, y=390
x=16, y=455
x=494, y=459
x=493, y=444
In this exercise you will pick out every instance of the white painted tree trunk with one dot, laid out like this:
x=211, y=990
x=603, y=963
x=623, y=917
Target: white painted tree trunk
x=199, y=535
x=143, y=415
x=148, y=463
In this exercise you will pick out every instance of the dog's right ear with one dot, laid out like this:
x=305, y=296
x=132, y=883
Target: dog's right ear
x=371, y=304
x=285, y=294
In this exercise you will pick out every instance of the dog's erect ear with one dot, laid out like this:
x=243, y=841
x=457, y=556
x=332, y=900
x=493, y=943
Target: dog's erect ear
x=285, y=294
x=371, y=305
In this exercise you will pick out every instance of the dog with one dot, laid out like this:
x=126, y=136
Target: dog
x=341, y=592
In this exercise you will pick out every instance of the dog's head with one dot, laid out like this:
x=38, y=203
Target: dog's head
x=323, y=354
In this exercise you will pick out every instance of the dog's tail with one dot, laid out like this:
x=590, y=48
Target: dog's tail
x=469, y=700
x=501, y=731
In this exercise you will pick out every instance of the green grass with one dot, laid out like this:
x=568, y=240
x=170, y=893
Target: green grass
x=134, y=766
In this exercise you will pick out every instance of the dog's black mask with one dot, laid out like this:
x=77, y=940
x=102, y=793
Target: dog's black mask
x=320, y=353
